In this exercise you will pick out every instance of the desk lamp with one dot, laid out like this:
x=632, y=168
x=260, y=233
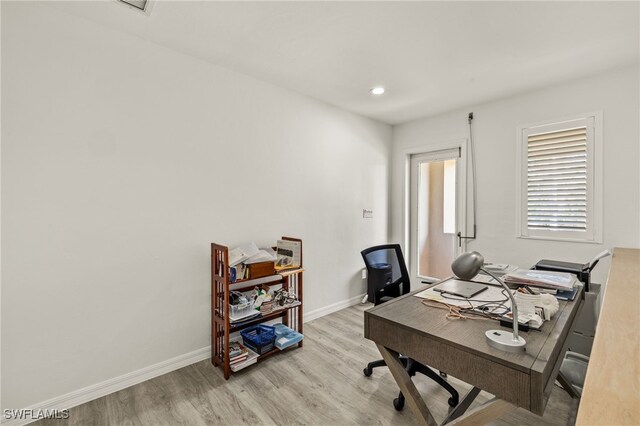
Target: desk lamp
x=467, y=266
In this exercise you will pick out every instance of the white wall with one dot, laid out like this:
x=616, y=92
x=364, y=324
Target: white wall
x=494, y=131
x=121, y=161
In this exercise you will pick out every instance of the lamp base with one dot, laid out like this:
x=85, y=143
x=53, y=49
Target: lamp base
x=503, y=340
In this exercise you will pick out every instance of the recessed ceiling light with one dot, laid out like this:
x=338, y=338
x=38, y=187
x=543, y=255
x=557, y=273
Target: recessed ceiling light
x=377, y=91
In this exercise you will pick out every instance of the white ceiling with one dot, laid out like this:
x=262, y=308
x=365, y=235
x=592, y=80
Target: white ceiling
x=431, y=56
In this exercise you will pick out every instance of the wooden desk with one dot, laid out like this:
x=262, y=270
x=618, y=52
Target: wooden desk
x=611, y=394
x=405, y=325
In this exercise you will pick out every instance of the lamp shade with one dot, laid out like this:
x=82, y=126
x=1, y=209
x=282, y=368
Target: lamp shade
x=467, y=265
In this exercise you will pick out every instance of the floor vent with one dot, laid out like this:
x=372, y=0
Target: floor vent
x=138, y=4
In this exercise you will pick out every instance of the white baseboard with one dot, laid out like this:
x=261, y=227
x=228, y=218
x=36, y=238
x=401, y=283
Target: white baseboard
x=317, y=313
x=89, y=393
x=115, y=384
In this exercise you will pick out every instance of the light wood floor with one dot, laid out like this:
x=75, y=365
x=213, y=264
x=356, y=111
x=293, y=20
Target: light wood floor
x=320, y=384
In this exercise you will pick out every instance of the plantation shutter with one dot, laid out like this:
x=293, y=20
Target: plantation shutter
x=557, y=180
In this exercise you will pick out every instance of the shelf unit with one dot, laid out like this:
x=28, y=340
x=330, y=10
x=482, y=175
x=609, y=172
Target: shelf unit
x=221, y=327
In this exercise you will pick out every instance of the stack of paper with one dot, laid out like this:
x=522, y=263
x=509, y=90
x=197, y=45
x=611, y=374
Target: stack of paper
x=263, y=255
x=500, y=269
x=242, y=253
x=546, y=279
x=528, y=311
x=250, y=253
x=251, y=358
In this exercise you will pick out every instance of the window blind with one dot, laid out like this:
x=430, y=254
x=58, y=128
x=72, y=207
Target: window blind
x=557, y=180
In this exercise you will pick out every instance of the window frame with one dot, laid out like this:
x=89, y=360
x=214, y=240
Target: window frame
x=594, y=231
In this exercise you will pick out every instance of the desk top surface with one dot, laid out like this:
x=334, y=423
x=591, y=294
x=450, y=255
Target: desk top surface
x=408, y=312
x=612, y=387
x=459, y=347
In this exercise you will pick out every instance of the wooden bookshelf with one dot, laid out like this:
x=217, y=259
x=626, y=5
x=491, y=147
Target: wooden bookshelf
x=221, y=327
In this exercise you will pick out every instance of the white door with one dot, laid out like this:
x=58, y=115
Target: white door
x=436, y=194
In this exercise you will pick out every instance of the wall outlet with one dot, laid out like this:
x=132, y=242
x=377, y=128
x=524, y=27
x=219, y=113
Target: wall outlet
x=367, y=213
x=364, y=273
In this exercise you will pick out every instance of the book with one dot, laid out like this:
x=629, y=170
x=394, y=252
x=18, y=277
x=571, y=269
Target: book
x=236, y=348
x=241, y=355
x=287, y=254
x=238, y=272
x=238, y=359
x=251, y=359
x=239, y=366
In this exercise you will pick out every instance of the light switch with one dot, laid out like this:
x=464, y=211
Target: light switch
x=367, y=213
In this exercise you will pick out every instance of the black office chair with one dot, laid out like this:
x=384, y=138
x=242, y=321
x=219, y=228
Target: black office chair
x=389, y=278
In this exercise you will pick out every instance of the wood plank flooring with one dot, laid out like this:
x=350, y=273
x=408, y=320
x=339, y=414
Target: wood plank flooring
x=320, y=384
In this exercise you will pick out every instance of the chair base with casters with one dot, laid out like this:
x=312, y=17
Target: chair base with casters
x=368, y=370
x=390, y=279
x=412, y=368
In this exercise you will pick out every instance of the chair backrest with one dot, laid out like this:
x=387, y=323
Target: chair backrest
x=388, y=256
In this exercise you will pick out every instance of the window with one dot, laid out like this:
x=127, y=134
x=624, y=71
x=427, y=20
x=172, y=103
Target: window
x=560, y=181
x=449, y=197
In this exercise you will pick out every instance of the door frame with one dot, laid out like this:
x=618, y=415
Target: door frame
x=461, y=197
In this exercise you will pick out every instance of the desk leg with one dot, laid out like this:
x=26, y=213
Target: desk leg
x=485, y=413
x=408, y=389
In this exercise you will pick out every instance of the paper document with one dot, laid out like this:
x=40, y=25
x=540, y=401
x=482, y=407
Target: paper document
x=484, y=278
x=533, y=320
x=491, y=294
x=496, y=266
x=263, y=255
x=242, y=253
x=536, y=278
x=499, y=269
x=527, y=304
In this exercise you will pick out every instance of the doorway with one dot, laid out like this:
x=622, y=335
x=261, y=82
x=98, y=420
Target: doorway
x=436, y=196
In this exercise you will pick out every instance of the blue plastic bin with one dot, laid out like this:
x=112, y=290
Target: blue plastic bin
x=259, y=338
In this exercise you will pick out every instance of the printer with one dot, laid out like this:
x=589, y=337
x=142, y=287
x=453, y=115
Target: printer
x=580, y=270
x=581, y=338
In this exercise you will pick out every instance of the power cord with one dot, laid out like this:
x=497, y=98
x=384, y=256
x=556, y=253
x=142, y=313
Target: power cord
x=488, y=310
